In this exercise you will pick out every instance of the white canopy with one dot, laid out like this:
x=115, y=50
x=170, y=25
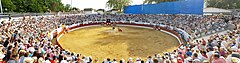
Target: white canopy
x=215, y=10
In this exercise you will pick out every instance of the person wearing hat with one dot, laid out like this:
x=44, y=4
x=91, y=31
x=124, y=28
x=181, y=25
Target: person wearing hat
x=138, y=60
x=235, y=60
x=232, y=57
x=130, y=60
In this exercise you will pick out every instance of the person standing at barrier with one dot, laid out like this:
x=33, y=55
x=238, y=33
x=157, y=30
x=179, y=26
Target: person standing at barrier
x=64, y=28
x=9, y=17
x=24, y=17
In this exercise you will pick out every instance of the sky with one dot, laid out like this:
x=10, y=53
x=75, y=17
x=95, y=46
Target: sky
x=95, y=4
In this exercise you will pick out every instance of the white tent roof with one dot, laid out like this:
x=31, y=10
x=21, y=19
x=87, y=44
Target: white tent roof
x=215, y=10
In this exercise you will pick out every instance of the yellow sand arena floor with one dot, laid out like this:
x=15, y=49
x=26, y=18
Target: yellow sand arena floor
x=104, y=42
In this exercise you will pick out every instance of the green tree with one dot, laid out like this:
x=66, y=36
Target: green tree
x=8, y=6
x=157, y=1
x=37, y=6
x=118, y=4
x=67, y=7
x=21, y=5
x=225, y=4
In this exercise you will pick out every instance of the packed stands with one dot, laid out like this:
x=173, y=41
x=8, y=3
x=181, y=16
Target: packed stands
x=28, y=39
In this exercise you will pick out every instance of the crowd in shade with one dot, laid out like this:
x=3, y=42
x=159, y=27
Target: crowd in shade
x=27, y=39
x=197, y=26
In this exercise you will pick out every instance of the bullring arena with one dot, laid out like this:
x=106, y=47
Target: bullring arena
x=102, y=42
x=131, y=40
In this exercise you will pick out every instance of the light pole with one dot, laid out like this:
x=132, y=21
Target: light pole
x=1, y=6
x=71, y=3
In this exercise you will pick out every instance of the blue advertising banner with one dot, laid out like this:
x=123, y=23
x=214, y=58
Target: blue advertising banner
x=178, y=7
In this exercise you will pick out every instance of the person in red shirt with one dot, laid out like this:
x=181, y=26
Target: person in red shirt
x=179, y=60
x=79, y=58
x=54, y=60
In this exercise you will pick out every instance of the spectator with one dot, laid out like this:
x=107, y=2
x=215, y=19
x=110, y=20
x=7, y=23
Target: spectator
x=54, y=60
x=46, y=60
x=114, y=61
x=28, y=59
x=9, y=17
x=149, y=60
x=108, y=60
x=217, y=59
x=30, y=38
x=14, y=59
x=195, y=58
x=65, y=61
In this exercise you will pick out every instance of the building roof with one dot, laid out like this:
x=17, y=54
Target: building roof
x=215, y=10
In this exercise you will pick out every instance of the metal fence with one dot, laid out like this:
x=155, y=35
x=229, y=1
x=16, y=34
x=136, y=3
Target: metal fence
x=6, y=15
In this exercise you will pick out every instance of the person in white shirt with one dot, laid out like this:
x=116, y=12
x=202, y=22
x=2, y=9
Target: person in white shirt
x=64, y=60
x=122, y=61
x=238, y=39
x=138, y=60
x=149, y=60
x=210, y=53
x=229, y=57
x=83, y=60
x=187, y=59
x=108, y=60
x=1, y=53
x=130, y=60
x=195, y=58
x=114, y=61
x=47, y=60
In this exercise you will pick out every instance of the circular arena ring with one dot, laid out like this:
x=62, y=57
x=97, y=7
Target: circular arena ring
x=134, y=40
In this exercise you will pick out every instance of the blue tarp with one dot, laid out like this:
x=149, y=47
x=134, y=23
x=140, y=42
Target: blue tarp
x=178, y=7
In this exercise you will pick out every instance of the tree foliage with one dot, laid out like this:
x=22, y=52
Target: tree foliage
x=8, y=5
x=37, y=6
x=157, y=1
x=118, y=4
x=225, y=4
x=67, y=7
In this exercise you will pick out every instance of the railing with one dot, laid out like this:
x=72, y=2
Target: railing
x=6, y=15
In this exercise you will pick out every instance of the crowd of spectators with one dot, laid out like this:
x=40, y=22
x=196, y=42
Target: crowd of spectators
x=27, y=40
x=197, y=26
